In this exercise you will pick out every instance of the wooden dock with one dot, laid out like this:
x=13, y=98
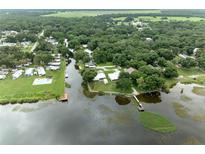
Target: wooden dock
x=140, y=107
x=64, y=98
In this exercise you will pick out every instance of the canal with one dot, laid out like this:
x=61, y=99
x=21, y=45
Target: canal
x=101, y=120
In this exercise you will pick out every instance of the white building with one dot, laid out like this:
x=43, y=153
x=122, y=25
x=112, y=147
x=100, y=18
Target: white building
x=54, y=63
x=2, y=77
x=195, y=51
x=66, y=42
x=99, y=76
x=17, y=74
x=41, y=71
x=85, y=45
x=148, y=39
x=114, y=76
x=29, y=72
x=54, y=68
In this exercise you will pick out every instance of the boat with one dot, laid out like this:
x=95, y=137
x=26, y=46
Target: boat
x=140, y=107
x=64, y=98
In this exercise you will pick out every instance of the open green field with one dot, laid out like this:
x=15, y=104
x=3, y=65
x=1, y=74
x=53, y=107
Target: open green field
x=83, y=13
x=109, y=87
x=156, y=122
x=170, y=18
x=21, y=90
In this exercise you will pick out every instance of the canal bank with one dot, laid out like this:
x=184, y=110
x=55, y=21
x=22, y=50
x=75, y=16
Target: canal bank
x=98, y=120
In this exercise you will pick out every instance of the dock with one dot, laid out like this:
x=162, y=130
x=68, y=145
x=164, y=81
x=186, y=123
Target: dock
x=64, y=98
x=140, y=107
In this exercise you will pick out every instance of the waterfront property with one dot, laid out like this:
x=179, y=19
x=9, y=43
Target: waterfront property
x=22, y=89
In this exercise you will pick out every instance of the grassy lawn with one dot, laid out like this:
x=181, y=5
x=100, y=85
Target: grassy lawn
x=187, y=73
x=106, y=64
x=171, y=18
x=83, y=13
x=22, y=90
x=111, y=86
x=156, y=122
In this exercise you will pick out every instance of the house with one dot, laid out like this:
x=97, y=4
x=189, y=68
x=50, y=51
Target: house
x=130, y=70
x=91, y=64
x=66, y=42
x=105, y=81
x=85, y=45
x=89, y=52
x=17, y=74
x=54, y=63
x=148, y=39
x=54, y=68
x=195, y=51
x=185, y=56
x=41, y=71
x=71, y=50
x=2, y=77
x=29, y=72
x=114, y=76
x=100, y=76
x=52, y=41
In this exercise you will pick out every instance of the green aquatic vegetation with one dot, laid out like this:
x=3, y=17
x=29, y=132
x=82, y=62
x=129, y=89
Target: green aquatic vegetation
x=156, y=122
x=199, y=91
x=180, y=110
x=191, y=141
x=67, y=85
x=185, y=98
x=199, y=118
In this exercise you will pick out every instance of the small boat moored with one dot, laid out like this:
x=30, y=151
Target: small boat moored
x=140, y=107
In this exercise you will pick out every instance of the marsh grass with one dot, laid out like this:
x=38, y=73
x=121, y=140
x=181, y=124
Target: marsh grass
x=156, y=122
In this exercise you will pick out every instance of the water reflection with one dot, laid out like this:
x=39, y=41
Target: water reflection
x=122, y=100
x=153, y=97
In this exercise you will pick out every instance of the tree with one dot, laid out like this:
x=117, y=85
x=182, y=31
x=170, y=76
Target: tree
x=170, y=72
x=81, y=55
x=137, y=64
x=188, y=62
x=124, y=84
x=150, y=83
x=124, y=75
x=120, y=60
x=166, y=53
x=88, y=75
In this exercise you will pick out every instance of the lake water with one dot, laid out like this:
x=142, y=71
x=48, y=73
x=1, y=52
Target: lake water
x=99, y=120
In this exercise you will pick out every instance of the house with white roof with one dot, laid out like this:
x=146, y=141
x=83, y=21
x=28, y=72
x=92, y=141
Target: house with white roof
x=29, y=72
x=2, y=77
x=100, y=76
x=41, y=71
x=114, y=76
x=148, y=39
x=17, y=74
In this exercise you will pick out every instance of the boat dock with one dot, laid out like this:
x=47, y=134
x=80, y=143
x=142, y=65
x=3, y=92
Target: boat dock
x=140, y=107
x=64, y=98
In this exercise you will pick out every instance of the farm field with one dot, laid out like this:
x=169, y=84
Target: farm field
x=170, y=18
x=22, y=90
x=83, y=13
